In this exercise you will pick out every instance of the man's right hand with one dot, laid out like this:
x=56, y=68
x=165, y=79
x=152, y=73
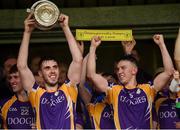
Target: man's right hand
x=95, y=41
x=29, y=23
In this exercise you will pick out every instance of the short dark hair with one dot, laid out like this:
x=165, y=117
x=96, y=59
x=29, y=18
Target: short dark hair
x=47, y=58
x=129, y=58
x=9, y=57
x=13, y=69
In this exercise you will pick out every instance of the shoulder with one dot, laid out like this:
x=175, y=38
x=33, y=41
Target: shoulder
x=68, y=84
x=148, y=85
x=114, y=88
x=113, y=85
x=3, y=101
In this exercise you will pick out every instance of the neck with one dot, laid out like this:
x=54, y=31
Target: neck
x=131, y=85
x=51, y=88
x=22, y=96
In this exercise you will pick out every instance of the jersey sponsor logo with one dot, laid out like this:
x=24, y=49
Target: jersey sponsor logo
x=20, y=121
x=167, y=114
x=133, y=101
x=53, y=102
x=13, y=109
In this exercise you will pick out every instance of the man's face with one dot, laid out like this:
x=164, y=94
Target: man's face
x=125, y=71
x=50, y=72
x=15, y=82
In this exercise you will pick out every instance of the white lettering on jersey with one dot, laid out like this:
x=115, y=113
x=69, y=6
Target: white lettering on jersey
x=133, y=101
x=12, y=109
x=53, y=102
x=108, y=115
x=24, y=111
x=21, y=120
x=167, y=114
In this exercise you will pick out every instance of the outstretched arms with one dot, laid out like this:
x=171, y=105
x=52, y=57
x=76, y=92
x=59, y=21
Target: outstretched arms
x=161, y=80
x=26, y=75
x=99, y=81
x=74, y=71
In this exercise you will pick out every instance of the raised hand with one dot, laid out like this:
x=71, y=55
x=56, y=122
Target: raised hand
x=176, y=75
x=95, y=41
x=174, y=86
x=158, y=39
x=64, y=20
x=128, y=46
x=29, y=23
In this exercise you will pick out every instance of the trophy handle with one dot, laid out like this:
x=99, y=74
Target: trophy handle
x=31, y=10
x=28, y=10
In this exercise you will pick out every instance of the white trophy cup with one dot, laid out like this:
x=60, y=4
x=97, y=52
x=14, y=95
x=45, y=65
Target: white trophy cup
x=46, y=14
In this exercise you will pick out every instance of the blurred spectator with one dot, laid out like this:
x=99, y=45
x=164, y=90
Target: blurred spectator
x=4, y=83
x=63, y=69
x=8, y=63
x=34, y=66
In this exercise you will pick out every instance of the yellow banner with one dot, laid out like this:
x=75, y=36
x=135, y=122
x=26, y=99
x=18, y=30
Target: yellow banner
x=106, y=35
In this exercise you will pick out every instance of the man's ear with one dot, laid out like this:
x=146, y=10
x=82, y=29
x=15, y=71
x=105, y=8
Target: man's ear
x=135, y=70
x=40, y=73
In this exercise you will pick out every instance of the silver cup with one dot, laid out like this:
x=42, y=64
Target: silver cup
x=46, y=14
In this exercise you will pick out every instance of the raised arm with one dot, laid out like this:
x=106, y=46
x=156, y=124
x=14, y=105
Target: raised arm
x=174, y=86
x=26, y=75
x=75, y=67
x=85, y=95
x=162, y=79
x=99, y=81
x=177, y=52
